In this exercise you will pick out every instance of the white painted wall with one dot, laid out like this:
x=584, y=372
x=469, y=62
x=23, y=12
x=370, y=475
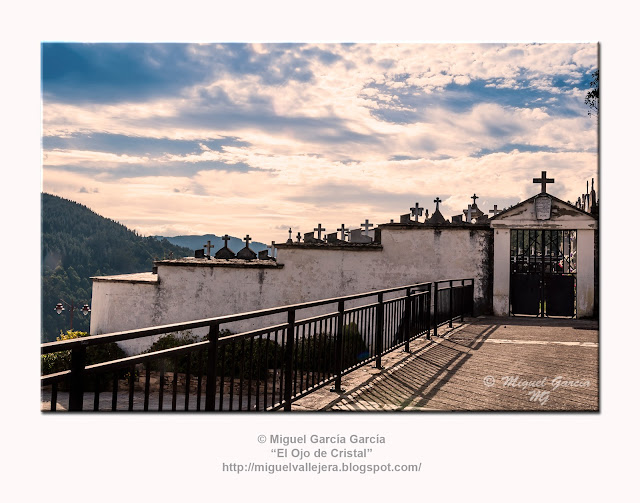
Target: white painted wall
x=501, y=271
x=585, y=289
x=189, y=292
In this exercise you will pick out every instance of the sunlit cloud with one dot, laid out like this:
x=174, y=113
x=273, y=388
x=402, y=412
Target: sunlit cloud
x=259, y=138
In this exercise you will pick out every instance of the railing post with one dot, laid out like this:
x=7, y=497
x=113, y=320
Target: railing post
x=76, y=388
x=429, y=312
x=435, y=309
x=472, y=294
x=339, y=350
x=288, y=357
x=212, y=363
x=407, y=319
x=462, y=303
x=451, y=304
x=379, y=324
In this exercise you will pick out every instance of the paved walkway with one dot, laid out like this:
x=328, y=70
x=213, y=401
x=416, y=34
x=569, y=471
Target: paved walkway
x=486, y=364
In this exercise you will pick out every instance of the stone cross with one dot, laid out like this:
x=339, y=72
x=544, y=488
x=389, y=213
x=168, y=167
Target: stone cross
x=273, y=249
x=416, y=211
x=544, y=181
x=247, y=239
x=468, y=213
x=366, y=226
x=437, y=200
x=320, y=229
x=208, y=246
x=343, y=231
x=226, y=238
x=298, y=237
x=289, y=233
x=474, y=197
x=495, y=210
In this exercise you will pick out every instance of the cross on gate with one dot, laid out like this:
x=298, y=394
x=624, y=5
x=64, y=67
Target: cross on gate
x=298, y=237
x=208, y=246
x=247, y=239
x=416, y=211
x=495, y=210
x=544, y=181
x=343, y=231
x=320, y=229
x=437, y=200
x=366, y=226
x=474, y=197
x=226, y=238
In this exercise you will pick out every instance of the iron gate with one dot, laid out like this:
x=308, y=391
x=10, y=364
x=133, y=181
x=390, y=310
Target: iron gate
x=543, y=272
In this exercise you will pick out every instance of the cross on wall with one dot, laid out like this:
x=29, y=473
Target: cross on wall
x=208, y=246
x=437, y=200
x=366, y=226
x=320, y=229
x=416, y=211
x=543, y=180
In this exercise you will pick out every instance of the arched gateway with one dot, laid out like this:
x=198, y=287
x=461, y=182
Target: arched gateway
x=544, y=258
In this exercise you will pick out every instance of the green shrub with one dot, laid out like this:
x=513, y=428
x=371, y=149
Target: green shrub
x=61, y=360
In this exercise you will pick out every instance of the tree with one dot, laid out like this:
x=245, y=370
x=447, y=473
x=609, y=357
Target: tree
x=593, y=96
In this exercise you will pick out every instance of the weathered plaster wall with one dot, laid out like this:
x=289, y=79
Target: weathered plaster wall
x=190, y=292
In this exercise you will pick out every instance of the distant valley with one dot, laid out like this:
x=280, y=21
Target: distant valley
x=198, y=242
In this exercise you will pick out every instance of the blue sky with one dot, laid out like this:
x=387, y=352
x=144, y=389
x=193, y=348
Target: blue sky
x=256, y=138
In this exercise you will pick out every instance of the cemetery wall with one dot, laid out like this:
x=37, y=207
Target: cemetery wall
x=194, y=290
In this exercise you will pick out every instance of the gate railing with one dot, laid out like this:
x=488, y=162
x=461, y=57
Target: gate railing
x=263, y=369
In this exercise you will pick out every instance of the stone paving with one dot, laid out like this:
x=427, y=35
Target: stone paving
x=484, y=364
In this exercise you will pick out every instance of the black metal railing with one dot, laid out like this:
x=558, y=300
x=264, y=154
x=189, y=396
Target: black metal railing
x=263, y=369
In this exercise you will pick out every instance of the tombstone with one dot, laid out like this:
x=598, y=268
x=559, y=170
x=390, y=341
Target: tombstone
x=225, y=252
x=309, y=237
x=247, y=253
x=263, y=255
x=357, y=237
x=199, y=253
x=456, y=219
x=405, y=219
x=333, y=238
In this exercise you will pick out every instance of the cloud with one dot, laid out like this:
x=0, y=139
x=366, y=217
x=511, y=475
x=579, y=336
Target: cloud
x=258, y=138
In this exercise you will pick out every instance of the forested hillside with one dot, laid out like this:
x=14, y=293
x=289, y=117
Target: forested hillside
x=77, y=244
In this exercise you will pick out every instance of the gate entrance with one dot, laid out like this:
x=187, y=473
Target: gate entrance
x=543, y=272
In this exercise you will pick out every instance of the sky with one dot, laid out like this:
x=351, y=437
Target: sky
x=255, y=139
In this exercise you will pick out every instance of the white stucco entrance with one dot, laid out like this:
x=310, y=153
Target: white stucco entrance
x=544, y=219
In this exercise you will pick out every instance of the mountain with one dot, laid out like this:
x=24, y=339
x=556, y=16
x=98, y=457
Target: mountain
x=77, y=244
x=198, y=242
